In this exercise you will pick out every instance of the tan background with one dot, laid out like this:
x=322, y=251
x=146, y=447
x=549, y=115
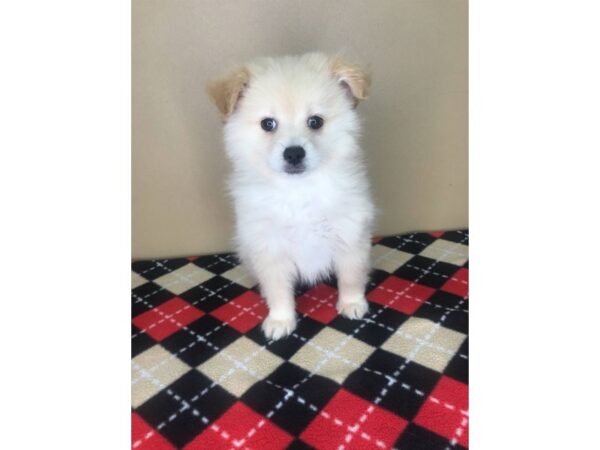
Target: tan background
x=415, y=121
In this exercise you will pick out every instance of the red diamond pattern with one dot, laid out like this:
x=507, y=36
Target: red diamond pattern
x=459, y=283
x=400, y=294
x=241, y=427
x=443, y=412
x=244, y=312
x=342, y=417
x=319, y=303
x=164, y=320
x=144, y=437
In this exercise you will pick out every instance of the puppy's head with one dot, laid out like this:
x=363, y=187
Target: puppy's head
x=290, y=116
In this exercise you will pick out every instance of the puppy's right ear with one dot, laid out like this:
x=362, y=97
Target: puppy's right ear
x=227, y=91
x=355, y=78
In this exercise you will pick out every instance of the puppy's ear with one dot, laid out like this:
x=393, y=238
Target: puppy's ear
x=227, y=91
x=355, y=78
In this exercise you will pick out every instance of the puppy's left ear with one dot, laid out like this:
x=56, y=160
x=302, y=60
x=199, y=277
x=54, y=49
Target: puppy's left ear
x=355, y=78
x=226, y=92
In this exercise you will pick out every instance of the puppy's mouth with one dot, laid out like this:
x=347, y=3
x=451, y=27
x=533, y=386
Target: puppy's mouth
x=294, y=169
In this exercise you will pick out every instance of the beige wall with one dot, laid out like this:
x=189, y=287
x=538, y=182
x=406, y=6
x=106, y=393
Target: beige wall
x=415, y=121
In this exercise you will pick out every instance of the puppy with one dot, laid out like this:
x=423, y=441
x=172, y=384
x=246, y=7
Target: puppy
x=299, y=186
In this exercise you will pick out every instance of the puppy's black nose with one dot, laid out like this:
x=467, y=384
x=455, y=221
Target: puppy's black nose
x=294, y=155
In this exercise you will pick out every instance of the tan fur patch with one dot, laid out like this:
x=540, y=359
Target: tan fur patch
x=357, y=78
x=226, y=91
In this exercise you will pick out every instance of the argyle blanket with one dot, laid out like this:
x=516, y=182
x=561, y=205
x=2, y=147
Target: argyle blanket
x=204, y=376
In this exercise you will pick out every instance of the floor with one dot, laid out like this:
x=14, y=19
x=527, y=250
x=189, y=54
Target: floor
x=204, y=376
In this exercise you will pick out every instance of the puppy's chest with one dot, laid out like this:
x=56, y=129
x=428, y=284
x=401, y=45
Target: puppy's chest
x=302, y=215
x=309, y=226
x=311, y=241
x=308, y=234
x=310, y=230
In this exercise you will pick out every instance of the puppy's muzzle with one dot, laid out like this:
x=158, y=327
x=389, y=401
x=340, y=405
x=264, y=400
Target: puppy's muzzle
x=294, y=157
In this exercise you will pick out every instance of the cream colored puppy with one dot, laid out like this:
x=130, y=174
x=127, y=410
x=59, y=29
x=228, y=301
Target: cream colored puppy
x=299, y=187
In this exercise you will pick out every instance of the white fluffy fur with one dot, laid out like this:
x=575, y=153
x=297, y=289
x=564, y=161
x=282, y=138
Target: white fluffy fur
x=299, y=226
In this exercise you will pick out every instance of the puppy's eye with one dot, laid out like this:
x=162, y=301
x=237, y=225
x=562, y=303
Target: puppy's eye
x=268, y=124
x=314, y=122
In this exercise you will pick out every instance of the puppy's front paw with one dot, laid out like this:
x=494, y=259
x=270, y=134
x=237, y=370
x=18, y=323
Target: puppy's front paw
x=354, y=309
x=278, y=328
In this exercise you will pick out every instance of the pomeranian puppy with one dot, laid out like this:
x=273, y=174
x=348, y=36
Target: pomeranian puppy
x=299, y=185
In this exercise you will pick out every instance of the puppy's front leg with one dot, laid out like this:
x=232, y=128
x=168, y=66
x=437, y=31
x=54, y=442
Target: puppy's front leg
x=276, y=279
x=352, y=269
